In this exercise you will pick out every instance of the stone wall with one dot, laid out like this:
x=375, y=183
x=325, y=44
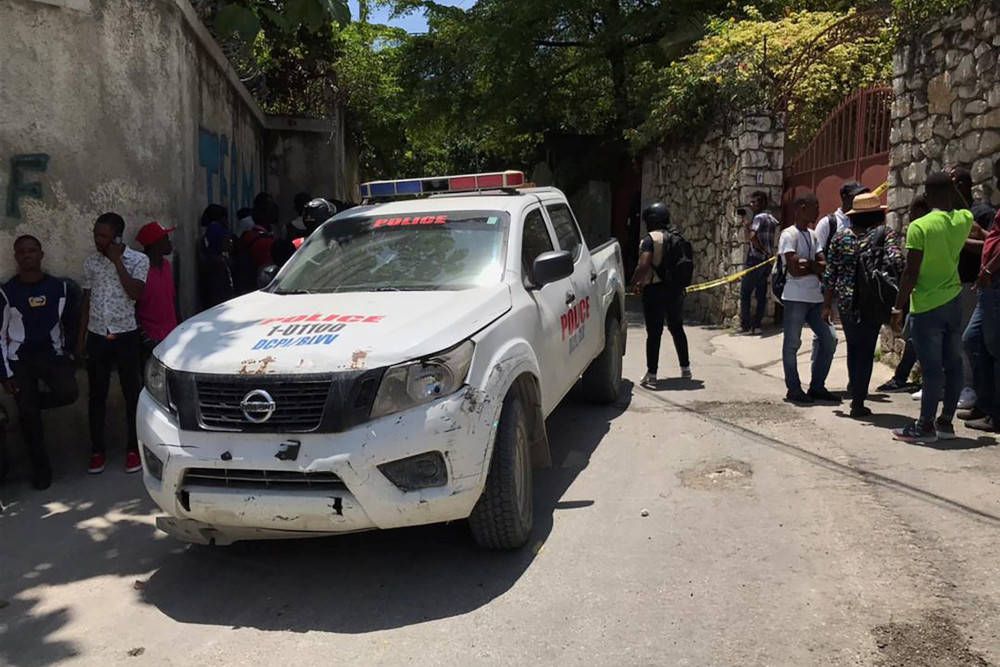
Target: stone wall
x=130, y=106
x=704, y=184
x=946, y=111
x=947, y=105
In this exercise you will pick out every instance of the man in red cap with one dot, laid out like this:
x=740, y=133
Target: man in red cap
x=157, y=309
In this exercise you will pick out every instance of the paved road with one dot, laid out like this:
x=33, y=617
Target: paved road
x=775, y=536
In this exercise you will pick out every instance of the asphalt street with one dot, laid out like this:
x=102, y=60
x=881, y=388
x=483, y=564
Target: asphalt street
x=705, y=523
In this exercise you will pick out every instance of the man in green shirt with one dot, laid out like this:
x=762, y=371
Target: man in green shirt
x=932, y=290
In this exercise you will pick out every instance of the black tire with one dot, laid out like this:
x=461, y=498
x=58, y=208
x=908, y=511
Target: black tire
x=602, y=381
x=504, y=515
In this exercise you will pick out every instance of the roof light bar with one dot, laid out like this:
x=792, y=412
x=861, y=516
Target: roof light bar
x=501, y=180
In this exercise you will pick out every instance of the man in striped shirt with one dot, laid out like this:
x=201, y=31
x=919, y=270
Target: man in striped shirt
x=32, y=341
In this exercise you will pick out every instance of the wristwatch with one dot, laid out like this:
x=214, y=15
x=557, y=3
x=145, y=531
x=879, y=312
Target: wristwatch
x=897, y=311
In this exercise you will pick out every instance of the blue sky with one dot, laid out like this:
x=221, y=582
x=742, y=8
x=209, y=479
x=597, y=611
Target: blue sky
x=413, y=23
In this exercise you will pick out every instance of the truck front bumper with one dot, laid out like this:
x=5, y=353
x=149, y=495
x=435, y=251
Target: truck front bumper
x=221, y=487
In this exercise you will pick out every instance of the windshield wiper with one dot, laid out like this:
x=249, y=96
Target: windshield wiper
x=294, y=291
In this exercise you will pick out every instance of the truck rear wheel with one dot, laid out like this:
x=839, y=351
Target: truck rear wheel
x=602, y=381
x=504, y=515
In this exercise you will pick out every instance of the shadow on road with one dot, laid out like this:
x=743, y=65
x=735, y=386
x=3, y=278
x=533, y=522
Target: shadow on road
x=78, y=530
x=373, y=581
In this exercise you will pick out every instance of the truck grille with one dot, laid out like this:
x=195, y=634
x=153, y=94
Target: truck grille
x=263, y=479
x=298, y=405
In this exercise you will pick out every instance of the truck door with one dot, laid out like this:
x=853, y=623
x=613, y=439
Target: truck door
x=550, y=301
x=582, y=327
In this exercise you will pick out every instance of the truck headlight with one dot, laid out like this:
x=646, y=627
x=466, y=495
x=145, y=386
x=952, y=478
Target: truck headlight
x=156, y=382
x=418, y=382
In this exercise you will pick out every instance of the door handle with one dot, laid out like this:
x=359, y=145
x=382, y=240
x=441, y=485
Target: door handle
x=570, y=298
x=593, y=276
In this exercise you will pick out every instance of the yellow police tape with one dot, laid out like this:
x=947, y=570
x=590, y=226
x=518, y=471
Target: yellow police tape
x=718, y=282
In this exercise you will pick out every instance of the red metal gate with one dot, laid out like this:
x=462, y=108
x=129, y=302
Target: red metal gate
x=852, y=144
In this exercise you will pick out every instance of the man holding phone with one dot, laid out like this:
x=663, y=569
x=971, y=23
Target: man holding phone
x=114, y=278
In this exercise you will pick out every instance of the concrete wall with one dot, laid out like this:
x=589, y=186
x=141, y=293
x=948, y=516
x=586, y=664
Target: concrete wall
x=704, y=184
x=305, y=155
x=130, y=106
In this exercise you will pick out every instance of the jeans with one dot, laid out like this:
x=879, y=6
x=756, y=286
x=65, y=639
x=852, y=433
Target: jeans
x=937, y=338
x=661, y=303
x=754, y=282
x=102, y=355
x=797, y=315
x=984, y=350
x=59, y=376
x=862, y=337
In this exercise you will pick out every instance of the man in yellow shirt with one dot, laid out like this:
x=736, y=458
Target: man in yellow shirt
x=931, y=289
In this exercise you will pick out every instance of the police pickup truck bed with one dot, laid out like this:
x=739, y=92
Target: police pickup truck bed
x=398, y=371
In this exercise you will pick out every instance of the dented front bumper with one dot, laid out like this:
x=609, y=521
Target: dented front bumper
x=215, y=485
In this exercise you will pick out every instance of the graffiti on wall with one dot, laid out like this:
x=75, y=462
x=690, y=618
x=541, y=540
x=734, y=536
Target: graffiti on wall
x=221, y=162
x=23, y=168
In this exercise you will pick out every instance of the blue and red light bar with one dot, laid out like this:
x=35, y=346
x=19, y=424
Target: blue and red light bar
x=501, y=180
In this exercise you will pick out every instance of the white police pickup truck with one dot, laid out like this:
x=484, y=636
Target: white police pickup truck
x=398, y=370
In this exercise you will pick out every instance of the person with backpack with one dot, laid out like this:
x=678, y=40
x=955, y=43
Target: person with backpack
x=862, y=275
x=803, y=261
x=828, y=226
x=665, y=269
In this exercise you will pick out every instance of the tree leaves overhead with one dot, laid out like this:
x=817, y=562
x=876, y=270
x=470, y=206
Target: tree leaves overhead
x=243, y=18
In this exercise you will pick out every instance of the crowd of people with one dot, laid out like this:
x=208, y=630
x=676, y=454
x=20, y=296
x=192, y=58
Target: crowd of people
x=126, y=305
x=849, y=266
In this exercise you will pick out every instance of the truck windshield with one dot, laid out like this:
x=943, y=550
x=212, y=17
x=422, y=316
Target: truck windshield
x=447, y=250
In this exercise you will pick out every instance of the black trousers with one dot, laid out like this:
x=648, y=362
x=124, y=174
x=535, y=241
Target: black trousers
x=862, y=339
x=103, y=355
x=59, y=375
x=662, y=304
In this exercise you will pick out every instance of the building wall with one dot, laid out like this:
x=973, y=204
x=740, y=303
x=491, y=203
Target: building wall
x=704, y=184
x=130, y=106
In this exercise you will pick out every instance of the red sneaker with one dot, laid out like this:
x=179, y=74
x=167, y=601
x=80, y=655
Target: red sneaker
x=132, y=461
x=96, y=464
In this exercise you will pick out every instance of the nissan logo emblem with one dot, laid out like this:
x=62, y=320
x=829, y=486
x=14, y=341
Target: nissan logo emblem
x=258, y=406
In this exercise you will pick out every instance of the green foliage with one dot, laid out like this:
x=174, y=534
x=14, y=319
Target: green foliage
x=736, y=66
x=244, y=18
x=914, y=14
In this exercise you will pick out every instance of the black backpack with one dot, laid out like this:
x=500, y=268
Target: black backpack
x=779, y=277
x=831, y=221
x=877, y=283
x=676, y=267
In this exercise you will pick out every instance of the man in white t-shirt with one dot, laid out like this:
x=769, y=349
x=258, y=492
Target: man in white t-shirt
x=802, y=257
x=825, y=231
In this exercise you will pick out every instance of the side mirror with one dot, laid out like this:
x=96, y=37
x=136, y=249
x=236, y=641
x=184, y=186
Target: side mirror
x=550, y=267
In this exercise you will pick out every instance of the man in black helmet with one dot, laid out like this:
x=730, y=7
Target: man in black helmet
x=314, y=214
x=664, y=272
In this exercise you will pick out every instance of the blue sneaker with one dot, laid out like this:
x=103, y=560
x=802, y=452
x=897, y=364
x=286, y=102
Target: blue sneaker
x=916, y=433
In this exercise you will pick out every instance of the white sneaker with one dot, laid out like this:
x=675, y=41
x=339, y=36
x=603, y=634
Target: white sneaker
x=686, y=373
x=917, y=395
x=967, y=400
x=648, y=380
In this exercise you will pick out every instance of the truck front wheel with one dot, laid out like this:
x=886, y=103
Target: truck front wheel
x=503, y=517
x=602, y=381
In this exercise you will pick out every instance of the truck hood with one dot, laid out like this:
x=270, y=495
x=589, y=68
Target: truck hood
x=264, y=333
